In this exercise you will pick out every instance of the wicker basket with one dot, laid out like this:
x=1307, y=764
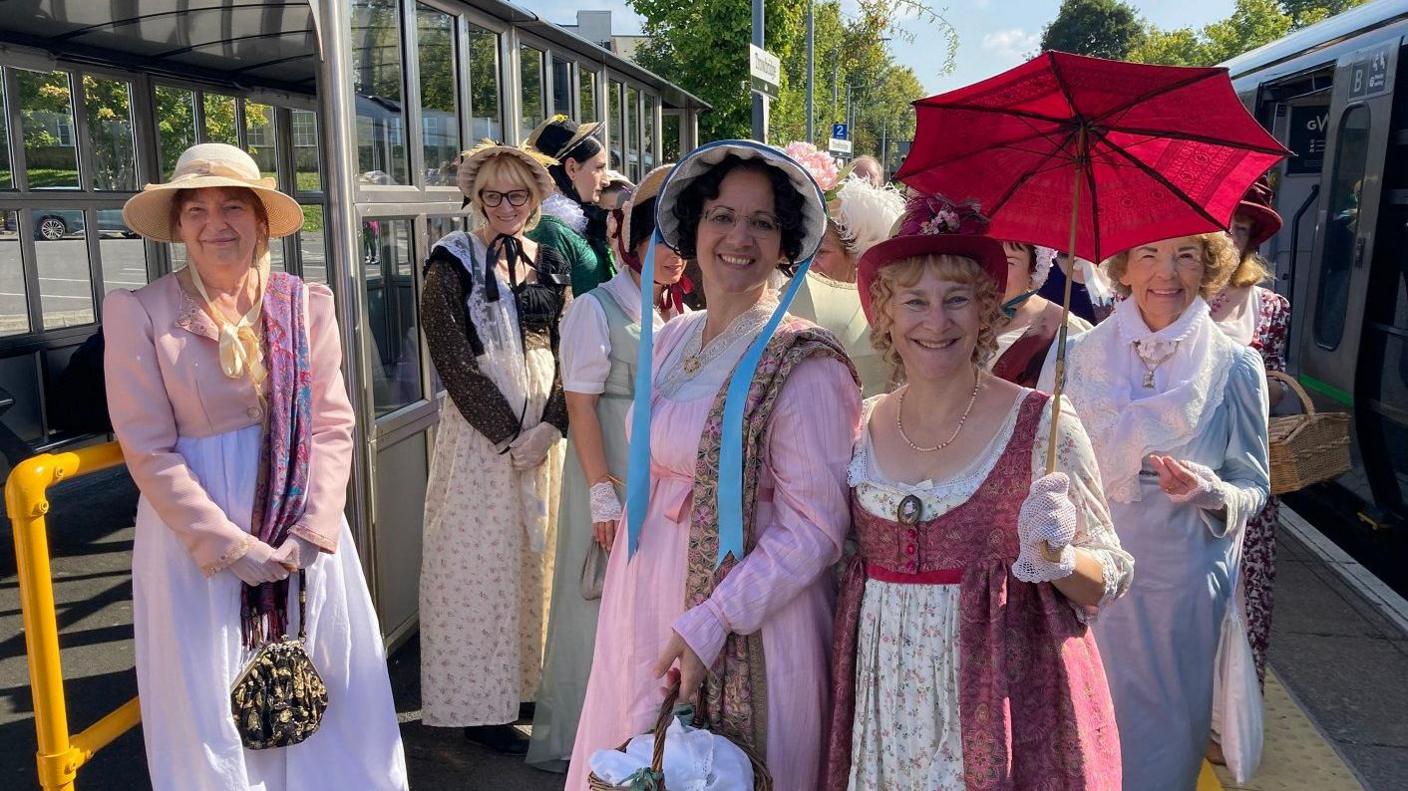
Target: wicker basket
x=1309, y=448
x=762, y=781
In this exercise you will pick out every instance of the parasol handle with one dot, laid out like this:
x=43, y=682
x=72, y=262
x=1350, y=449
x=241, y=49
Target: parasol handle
x=1060, y=385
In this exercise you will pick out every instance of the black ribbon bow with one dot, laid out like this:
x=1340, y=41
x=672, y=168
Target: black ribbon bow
x=512, y=251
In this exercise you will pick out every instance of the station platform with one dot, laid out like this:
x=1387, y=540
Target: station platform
x=1336, y=702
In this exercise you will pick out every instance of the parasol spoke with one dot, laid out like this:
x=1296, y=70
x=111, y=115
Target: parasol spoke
x=1163, y=180
x=1018, y=183
x=1143, y=98
x=1065, y=90
x=987, y=150
x=1192, y=137
x=1003, y=111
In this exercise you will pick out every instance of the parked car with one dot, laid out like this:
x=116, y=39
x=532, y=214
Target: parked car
x=51, y=224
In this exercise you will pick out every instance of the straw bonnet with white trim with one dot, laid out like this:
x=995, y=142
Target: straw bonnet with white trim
x=474, y=158
x=209, y=165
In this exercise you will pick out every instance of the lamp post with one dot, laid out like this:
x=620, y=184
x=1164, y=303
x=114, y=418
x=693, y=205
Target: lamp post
x=811, y=73
x=760, y=108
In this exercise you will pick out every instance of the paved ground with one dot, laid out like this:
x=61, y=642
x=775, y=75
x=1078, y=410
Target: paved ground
x=1335, y=656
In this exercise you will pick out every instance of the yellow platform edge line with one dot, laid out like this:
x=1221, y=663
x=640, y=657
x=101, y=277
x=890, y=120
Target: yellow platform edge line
x=1207, y=779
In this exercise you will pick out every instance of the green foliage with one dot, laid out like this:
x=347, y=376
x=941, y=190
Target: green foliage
x=703, y=47
x=1308, y=12
x=1102, y=28
x=1253, y=23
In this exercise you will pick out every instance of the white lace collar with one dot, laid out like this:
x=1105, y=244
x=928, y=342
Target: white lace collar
x=1126, y=422
x=715, y=361
x=565, y=209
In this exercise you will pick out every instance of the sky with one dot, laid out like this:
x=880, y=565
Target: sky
x=993, y=35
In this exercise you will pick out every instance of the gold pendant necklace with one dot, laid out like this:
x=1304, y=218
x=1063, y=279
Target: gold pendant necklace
x=899, y=422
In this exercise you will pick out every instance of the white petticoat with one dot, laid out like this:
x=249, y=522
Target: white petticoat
x=189, y=653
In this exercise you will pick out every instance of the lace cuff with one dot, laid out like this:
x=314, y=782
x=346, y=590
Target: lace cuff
x=605, y=505
x=237, y=550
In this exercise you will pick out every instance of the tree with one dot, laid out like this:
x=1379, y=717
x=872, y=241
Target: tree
x=701, y=46
x=1308, y=12
x=1253, y=23
x=1103, y=28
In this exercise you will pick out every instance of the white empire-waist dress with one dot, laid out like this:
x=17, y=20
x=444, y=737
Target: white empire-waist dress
x=192, y=441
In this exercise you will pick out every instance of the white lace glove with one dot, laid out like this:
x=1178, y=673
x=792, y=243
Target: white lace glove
x=606, y=506
x=1047, y=517
x=1207, y=491
x=531, y=447
x=296, y=553
x=259, y=565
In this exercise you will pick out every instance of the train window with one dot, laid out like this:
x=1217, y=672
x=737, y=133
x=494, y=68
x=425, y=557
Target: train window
x=46, y=120
x=530, y=72
x=485, y=119
x=1342, y=227
x=617, y=125
x=561, y=86
x=312, y=246
x=7, y=180
x=123, y=253
x=439, y=94
x=586, y=96
x=306, y=172
x=107, y=105
x=376, y=78
x=391, y=313
x=61, y=258
x=632, y=134
x=14, y=310
x=219, y=116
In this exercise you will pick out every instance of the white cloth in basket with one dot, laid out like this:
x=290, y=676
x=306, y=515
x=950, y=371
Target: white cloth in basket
x=695, y=760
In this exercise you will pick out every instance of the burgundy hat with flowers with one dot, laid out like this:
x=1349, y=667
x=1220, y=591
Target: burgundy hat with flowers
x=1257, y=204
x=934, y=225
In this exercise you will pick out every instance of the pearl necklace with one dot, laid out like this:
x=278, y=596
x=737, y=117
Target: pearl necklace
x=899, y=422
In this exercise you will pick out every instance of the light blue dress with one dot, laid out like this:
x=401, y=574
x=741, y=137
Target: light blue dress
x=1159, y=642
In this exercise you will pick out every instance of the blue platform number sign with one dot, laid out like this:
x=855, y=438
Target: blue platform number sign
x=838, y=131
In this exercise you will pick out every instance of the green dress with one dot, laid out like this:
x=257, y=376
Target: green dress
x=835, y=306
x=591, y=262
x=572, y=621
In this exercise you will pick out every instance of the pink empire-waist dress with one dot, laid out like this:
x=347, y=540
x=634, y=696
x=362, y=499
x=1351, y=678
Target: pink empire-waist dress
x=783, y=587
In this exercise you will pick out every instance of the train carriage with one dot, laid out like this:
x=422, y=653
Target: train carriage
x=1335, y=94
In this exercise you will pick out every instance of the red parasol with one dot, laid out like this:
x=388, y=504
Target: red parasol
x=1092, y=156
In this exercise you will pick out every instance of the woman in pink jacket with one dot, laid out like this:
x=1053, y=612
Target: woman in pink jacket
x=224, y=387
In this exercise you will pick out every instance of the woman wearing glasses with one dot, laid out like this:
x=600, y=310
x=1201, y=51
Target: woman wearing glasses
x=490, y=306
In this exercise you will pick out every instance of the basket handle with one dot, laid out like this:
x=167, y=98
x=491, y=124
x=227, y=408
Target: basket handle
x=1290, y=381
x=662, y=723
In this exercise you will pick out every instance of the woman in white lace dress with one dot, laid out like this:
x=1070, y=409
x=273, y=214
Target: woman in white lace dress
x=1177, y=413
x=963, y=658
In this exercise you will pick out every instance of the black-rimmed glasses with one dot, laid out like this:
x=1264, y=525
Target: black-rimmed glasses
x=492, y=199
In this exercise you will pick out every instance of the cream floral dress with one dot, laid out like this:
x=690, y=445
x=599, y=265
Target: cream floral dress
x=907, y=734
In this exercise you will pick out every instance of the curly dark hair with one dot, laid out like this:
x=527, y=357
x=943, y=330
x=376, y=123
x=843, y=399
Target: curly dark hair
x=788, y=204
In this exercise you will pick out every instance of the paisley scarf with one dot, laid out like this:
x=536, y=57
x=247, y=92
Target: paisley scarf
x=282, y=488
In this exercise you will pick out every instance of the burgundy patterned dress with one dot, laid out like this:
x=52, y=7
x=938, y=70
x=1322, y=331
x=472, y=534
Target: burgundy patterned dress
x=1259, y=545
x=1034, y=710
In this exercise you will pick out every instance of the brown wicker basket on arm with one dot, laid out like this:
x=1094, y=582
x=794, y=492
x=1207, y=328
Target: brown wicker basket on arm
x=762, y=781
x=1309, y=448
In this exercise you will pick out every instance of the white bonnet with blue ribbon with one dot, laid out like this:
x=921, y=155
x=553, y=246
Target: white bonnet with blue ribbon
x=730, y=489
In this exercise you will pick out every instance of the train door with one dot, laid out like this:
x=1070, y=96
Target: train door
x=1334, y=289
x=1381, y=394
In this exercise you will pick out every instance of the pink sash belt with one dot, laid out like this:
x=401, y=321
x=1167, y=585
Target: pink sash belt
x=935, y=577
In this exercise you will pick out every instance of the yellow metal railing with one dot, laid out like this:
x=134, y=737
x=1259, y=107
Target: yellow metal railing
x=60, y=754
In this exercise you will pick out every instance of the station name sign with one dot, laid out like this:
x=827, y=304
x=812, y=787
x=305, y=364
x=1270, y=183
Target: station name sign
x=764, y=71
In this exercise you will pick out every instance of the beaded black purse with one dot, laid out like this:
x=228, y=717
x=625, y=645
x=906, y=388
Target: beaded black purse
x=278, y=699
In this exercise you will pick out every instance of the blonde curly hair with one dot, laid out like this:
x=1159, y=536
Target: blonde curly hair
x=1220, y=260
x=905, y=274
